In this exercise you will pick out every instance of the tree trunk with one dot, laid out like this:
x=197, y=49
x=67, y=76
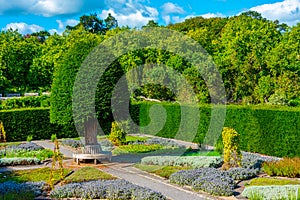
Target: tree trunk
x=90, y=135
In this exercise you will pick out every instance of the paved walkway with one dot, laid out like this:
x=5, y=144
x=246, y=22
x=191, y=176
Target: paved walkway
x=144, y=179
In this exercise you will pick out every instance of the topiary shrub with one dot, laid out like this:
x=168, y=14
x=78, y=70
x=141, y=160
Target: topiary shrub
x=2, y=133
x=231, y=151
x=117, y=135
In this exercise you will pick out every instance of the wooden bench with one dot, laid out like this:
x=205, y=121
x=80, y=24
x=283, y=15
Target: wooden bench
x=96, y=157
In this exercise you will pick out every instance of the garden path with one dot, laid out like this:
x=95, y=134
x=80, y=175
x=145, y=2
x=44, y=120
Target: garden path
x=138, y=177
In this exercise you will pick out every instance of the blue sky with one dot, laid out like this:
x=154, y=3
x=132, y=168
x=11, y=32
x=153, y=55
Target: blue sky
x=53, y=15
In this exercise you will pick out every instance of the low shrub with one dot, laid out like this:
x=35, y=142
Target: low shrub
x=72, y=143
x=29, y=138
x=18, y=161
x=29, y=146
x=210, y=180
x=117, y=135
x=273, y=192
x=190, y=161
x=11, y=187
x=255, y=161
x=39, y=154
x=53, y=137
x=239, y=173
x=111, y=189
x=287, y=167
x=106, y=145
x=215, y=183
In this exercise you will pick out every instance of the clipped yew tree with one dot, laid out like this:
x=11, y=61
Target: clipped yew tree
x=78, y=53
x=232, y=153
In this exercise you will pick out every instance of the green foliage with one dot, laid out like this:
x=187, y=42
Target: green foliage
x=21, y=123
x=39, y=154
x=287, y=167
x=2, y=133
x=53, y=137
x=117, y=135
x=29, y=138
x=263, y=129
x=231, y=152
x=25, y=102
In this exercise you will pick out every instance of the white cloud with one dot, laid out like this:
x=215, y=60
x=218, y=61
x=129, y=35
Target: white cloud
x=135, y=19
x=132, y=13
x=23, y=28
x=212, y=15
x=175, y=19
x=48, y=8
x=287, y=11
x=171, y=8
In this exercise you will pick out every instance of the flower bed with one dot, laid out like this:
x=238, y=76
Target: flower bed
x=192, y=161
x=210, y=180
x=111, y=189
x=18, y=161
x=18, y=188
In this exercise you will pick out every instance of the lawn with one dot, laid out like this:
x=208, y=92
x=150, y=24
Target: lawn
x=87, y=174
x=35, y=175
x=272, y=181
x=163, y=171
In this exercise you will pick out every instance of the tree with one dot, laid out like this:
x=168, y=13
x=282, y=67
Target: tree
x=242, y=54
x=94, y=24
x=16, y=57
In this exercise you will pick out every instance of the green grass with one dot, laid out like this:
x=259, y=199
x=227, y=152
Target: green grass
x=163, y=171
x=87, y=174
x=272, y=181
x=35, y=175
x=40, y=154
x=201, y=153
x=131, y=138
x=137, y=148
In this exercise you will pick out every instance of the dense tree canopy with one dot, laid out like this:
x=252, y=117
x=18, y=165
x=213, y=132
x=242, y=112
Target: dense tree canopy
x=259, y=59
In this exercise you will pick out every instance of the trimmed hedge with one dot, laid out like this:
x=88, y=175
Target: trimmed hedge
x=19, y=124
x=268, y=130
x=25, y=102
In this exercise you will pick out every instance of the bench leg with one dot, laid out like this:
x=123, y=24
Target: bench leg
x=95, y=161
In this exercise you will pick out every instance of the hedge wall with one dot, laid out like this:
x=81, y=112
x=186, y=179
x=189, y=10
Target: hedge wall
x=25, y=102
x=18, y=124
x=266, y=130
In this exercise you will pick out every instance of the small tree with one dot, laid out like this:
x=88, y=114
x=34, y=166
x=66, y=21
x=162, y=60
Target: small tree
x=231, y=152
x=117, y=135
x=2, y=133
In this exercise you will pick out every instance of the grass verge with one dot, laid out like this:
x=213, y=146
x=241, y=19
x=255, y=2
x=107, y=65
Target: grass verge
x=35, y=175
x=163, y=171
x=87, y=174
x=272, y=181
